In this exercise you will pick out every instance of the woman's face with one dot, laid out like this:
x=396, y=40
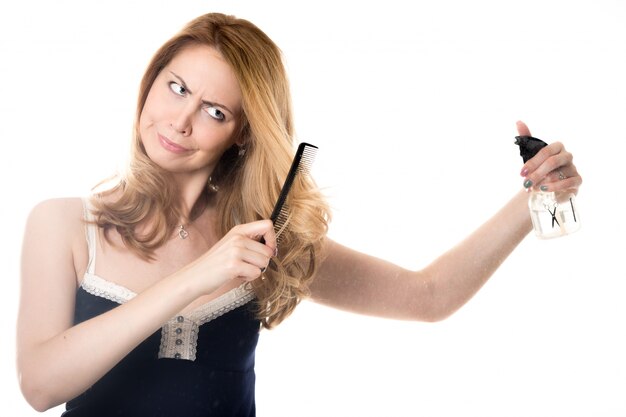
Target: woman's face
x=191, y=112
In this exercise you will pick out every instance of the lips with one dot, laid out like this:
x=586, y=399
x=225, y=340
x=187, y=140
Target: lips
x=171, y=146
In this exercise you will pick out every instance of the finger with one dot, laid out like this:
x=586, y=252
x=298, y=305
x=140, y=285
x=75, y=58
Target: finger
x=561, y=173
x=250, y=273
x=554, y=176
x=269, y=239
x=548, y=159
x=556, y=172
x=261, y=231
x=522, y=129
x=256, y=254
x=569, y=184
x=245, y=258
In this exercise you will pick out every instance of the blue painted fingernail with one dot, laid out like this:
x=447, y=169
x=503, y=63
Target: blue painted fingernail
x=544, y=188
x=528, y=184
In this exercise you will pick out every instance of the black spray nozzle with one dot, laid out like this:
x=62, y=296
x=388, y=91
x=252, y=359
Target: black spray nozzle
x=529, y=146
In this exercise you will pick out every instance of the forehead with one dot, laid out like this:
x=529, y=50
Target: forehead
x=206, y=74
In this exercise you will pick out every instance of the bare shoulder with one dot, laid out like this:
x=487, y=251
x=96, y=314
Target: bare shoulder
x=56, y=227
x=57, y=213
x=54, y=252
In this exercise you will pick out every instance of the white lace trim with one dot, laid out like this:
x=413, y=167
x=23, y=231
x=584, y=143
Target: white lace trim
x=179, y=336
x=222, y=304
x=97, y=286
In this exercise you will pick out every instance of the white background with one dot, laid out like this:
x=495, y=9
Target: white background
x=414, y=110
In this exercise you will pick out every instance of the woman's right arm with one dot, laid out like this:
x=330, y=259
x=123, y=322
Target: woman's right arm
x=58, y=361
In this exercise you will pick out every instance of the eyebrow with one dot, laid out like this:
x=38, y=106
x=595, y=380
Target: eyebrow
x=208, y=103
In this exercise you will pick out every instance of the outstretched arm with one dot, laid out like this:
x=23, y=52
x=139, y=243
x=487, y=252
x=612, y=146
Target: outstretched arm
x=353, y=281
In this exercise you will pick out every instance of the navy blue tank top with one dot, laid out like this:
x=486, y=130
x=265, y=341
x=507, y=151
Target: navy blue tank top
x=219, y=382
x=200, y=364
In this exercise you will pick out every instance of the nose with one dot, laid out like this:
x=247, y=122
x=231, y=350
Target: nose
x=182, y=123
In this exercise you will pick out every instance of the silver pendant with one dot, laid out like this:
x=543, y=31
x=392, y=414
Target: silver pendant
x=182, y=233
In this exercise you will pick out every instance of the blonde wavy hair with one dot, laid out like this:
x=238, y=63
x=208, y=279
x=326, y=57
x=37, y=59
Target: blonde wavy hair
x=249, y=185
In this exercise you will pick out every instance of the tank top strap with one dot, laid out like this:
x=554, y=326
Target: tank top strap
x=90, y=234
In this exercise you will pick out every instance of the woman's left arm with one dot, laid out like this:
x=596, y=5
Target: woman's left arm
x=353, y=281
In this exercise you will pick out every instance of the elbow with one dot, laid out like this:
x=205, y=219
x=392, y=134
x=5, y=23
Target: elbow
x=40, y=407
x=435, y=304
x=439, y=309
x=36, y=399
x=430, y=312
x=37, y=395
x=436, y=315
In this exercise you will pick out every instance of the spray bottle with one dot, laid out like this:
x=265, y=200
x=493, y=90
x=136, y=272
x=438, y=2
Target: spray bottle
x=553, y=213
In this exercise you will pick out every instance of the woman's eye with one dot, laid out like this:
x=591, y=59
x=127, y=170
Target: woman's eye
x=178, y=89
x=215, y=113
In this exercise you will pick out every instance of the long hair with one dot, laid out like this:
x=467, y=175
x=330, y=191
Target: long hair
x=248, y=185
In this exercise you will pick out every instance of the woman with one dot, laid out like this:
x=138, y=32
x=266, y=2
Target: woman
x=146, y=298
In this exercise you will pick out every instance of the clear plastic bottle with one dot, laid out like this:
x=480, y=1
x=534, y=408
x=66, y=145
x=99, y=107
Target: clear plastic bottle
x=553, y=214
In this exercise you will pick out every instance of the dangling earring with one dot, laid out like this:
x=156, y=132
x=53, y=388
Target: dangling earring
x=242, y=151
x=213, y=187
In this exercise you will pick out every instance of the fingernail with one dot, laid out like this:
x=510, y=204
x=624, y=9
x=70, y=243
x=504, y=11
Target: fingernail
x=544, y=188
x=276, y=251
x=524, y=172
x=528, y=184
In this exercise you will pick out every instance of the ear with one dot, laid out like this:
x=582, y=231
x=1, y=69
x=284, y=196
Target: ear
x=242, y=135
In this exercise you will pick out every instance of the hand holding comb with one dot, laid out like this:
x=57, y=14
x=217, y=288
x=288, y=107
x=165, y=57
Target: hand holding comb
x=301, y=164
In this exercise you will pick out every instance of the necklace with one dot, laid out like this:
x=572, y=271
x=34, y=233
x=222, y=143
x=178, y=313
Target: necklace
x=182, y=232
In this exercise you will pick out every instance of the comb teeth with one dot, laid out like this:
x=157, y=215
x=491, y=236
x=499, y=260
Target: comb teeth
x=308, y=156
x=280, y=224
x=302, y=162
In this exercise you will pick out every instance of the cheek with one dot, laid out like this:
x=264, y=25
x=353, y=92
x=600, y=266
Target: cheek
x=143, y=119
x=147, y=119
x=211, y=137
x=145, y=122
x=152, y=109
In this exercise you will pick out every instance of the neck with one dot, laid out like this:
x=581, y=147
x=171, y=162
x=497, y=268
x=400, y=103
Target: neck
x=190, y=189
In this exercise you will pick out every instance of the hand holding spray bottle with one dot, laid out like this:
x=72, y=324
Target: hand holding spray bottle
x=553, y=213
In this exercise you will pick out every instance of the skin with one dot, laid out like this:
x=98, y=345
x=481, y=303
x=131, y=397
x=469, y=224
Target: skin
x=363, y=284
x=189, y=117
x=188, y=273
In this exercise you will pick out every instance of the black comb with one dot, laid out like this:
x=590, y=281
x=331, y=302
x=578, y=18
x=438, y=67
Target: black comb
x=302, y=161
